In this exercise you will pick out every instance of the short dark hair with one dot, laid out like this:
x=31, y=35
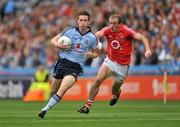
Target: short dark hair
x=84, y=13
x=116, y=16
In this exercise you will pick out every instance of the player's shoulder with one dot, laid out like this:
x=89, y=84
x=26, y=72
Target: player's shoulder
x=125, y=27
x=68, y=31
x=105, y=29
x=90, y=33
x=70, y=28
x=93, y=36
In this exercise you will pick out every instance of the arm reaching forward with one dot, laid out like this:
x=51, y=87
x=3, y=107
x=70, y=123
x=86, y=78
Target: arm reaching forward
x=144, y=40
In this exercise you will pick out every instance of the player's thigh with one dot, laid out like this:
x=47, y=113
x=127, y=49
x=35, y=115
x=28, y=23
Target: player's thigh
x=104, y=72
x=120, y=72
x=67, y=82
x=55, y=84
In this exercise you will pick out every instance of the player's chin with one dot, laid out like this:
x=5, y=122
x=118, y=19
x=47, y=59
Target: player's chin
x=84, y=27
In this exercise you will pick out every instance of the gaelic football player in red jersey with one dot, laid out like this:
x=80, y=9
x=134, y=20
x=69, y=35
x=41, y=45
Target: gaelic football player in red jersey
x=119, y=48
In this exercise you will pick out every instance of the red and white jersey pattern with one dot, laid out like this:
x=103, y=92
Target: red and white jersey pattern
x=119, y=44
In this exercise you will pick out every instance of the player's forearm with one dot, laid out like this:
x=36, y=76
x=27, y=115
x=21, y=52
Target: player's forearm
x=146, y=43
x=54, y=41
x=144, y=40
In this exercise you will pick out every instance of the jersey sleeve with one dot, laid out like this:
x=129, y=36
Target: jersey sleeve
x=130, y=31
x=94, y=41
x=104, y=30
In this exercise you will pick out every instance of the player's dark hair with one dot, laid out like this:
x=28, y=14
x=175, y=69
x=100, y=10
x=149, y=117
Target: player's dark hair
x=84, y=13
x=116, y=16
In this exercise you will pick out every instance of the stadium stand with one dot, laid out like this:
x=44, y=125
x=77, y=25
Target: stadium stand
x=27, y=26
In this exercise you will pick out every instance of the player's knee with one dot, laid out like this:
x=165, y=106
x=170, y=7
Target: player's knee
x=117, y=84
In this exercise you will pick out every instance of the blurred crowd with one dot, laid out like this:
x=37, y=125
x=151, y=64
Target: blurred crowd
x=26, y=28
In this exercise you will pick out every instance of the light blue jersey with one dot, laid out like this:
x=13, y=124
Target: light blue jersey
x=80, y=44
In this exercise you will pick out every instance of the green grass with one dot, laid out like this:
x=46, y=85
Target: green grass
x=15, y=113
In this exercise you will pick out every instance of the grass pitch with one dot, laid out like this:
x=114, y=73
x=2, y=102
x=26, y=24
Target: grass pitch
x=16, y=113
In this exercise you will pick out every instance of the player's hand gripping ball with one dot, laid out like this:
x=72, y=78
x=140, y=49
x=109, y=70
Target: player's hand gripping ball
x=65, y=42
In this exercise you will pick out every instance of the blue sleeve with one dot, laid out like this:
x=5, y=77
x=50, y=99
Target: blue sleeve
x=94, y=41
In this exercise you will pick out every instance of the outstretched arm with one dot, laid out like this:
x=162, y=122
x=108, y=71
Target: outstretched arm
x=99, y=34
x=144, y=40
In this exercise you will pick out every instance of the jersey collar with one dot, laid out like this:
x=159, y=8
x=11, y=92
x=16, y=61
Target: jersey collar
x=89, y=30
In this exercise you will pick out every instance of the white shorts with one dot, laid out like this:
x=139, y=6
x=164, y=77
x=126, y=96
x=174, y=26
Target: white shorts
x=119, y=71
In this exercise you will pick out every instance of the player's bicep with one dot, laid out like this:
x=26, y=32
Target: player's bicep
x=138, y=36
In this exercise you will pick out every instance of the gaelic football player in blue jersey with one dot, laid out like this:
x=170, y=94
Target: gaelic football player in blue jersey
x=71, y=59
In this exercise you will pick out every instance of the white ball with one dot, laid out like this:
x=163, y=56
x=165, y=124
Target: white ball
x=65, y=40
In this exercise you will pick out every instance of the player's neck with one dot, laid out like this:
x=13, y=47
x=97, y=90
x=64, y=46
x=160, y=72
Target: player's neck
x=83, y=31
x=115, y=29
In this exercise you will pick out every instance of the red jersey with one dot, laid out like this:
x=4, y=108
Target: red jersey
x=119, y=44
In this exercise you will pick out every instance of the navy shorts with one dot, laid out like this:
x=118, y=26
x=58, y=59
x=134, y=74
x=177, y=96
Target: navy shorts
x=64, y=67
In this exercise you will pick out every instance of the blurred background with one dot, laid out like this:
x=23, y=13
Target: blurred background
x=26, y=27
